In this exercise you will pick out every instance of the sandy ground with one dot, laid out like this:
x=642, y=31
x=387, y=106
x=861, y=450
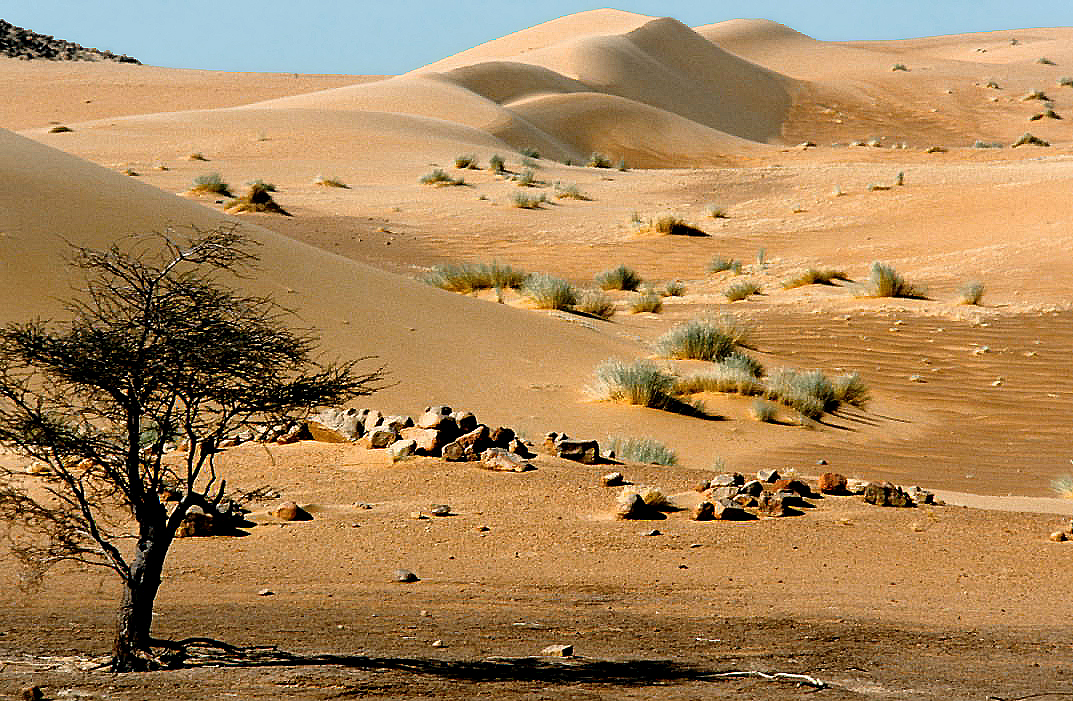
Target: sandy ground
x=961, y=601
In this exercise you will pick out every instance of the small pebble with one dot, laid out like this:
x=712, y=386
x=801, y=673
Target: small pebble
x=265, y=592
x=440, y=510
x=654, y=531
x=406, y=576
x=438, y=643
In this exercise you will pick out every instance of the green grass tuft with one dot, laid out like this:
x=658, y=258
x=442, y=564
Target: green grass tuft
x=763, y=411
x=496, y=164
x=599, y=160
x=720, y=264
x=884, y=281
x=813, y=276
x=466, y=161
x=440, y=178
x=258, y=199
x=641, y=383
x=674, y=288
x=548, y=292
x=570, y=192
x=330, y=182
x=595, y=303
x=716, y=212
x=850, y=389
x=704, y=338
x=620, y=278
x=211, y=183
x=471, y=277
x=524, y=201
x=647, y=301
x=643, y=450
x=742, y=289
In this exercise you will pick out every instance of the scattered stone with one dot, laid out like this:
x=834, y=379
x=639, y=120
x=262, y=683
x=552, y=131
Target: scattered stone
x=653, y=532
x=752, y=488
x=437, y=417
x=501, y=437
x=631, y=507
x=821, y=461
x=402, y=449
x=370, y=419
x=920, y=496
x=465, y=421
x=519, y=447
x=429, y=440
x=1059, y=536
x=265, y=592
x=613, y=479
x=438, y=643
x=705, y=511
x=734, y=479
x=298, y=432
x=406, y=576
x=440, y=510
x=728, y=510
x=795, y=486
x=833, y=483
x=725, y=492
x=196, y=524
x=745, y=500
x=469, y=446
x=769, y=476
x=773, y=504
x=502, y=460
x=289, y=511
x=418, y=516
x=396, y=423
x=887, y=494
x=562, y=446
x=380, y=438
x=32, y=693
x=337, y=425
x=856, y=486
x=558, y=651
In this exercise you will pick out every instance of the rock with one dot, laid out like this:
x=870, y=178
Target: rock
x=436, y=417
x=196, y=524
x=821, y=461
x=370, y=419
x=298, y=432
x=558, y=651
x=856, y=486
x=631, y=507
x=920, y=496
x=502, y=460
x=406, y=576
x=652, y=533
x=430, y=441
x=773, y=504
x=343, y=424
x=289, y=511
x=440, y=510
x=613, y=479
x=726, y=510
x=730, y=479
x=703, y=486
x=379, y=438
x=438, y=643
x=396, y=423
x=724, y=492
x=519, y=447
x=833, y=483
x=402, y=449
x=745, y=500
x=465, y=421
x=769, y=476
x=265, y=592
x=1059, y=536
x=562, y=446
x=31, y=693
x=501, y=437
x=752, y=488
x=705, y=511
x=468, y=446
x=887, y=494
x=794, y=485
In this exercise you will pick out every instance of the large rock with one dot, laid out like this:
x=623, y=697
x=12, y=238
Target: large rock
x=773, y=504
x=753, y=488
x=298, y=432
x=196, y=524
x=832, y=483
x=705, y=511
x=887, y=494
x=727, y=510
x=402, y=449
x=730, y=479
x=340, y=424
x=289, y=511
x=562, y=446
x=468, y=446
x=465, y=420
x=435, y=417
x=631, y=507
x=796, y=486
x=370, y=419
x=501, y=437
x=769, y=476
x=429, y=440
x=502, y=460
x=380, y=438
x=396, y=423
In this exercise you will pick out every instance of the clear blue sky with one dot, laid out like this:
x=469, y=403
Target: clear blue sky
x=394, y=36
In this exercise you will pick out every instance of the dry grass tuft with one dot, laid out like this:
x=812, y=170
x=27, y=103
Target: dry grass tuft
x=884, y=281
x=620, y=278
x=330, y=182
x=258, y=199
x=211, y=183
x=812, y=276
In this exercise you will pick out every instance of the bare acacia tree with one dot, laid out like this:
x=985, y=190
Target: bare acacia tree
x=156, y=350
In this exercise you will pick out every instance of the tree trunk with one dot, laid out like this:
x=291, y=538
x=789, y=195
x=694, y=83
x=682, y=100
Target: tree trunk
x=132, y=651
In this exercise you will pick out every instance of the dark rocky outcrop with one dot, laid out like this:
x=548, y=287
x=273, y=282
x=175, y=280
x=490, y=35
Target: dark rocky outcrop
x=17, y=42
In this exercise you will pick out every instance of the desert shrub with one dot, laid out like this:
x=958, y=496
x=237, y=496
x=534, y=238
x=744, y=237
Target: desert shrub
x=716, y=212
x=1044, y=61
x=570, y=192
x=703, y=338
x=196, y=156
x=595, y=303
x=440, y=178
x=992, y=84
x=467, y=161
x=1036, y=95
x=812, y=276
x=986, y=144
x=258, y=198
x=643, y=450
x=523, y=201
x=850, y=389
x=670, y=225
x=723, y=378
x=261, y=184
x=972, y=293
x=674, y=288
x=496, y=164
x=763, y=411
x=641, y=383
x=884, y=281
x=1065, y=82
x=530, y=153
x=720, y=264
x=60, y=129
x=530, y=164
x=330, y=182
x=899, y=67
x=742, y=289
x=738, y=360
x=620, y=278
x=1027, y=139
x=549, y=292
x=527, y=178
x=1048, y=113
x=809, y=392
x=212, y=183
x=647, y=301
x=599, y=160
x=470, y=277
x=130, y=172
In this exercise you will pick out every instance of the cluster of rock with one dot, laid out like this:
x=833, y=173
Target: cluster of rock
x=455, y=436
x=209, y=520
x=17, y=42
x=1063, y=536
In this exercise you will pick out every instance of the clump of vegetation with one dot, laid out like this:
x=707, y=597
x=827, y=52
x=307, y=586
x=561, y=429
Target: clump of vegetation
x=643, y=450
x=211, y=183
x=717, y=212
x=674, y=288
x=440, y=178
x=496, y=164
x=570, y=191
x=884, y=281
x=1065, y=82
x=471, y=277
x=850, y=389
x=599, y=160
x=60, y=129
x=1048, y=113
x=527, y=178
x=530, y=153
x=524, y=201
x=667, y=225
x=704, y=338
x=812, y=276
x=1027, y=139
x=809, y=392
x=1036, y=95
x=641, y=383
x=549, y=292
x=620, y=278
x=196, y=156
x=724, y=378
x=1044, y=61
x=742, y=289
x=992, y=84
x=330, y=182
x=258, y=199
x=986, y=144
x=269, y=187
x=647, y=301
x=899, y=67
x=720, y=264
x=972, y=293
x=467, y=161
x=595, y=303
x=763, y=411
